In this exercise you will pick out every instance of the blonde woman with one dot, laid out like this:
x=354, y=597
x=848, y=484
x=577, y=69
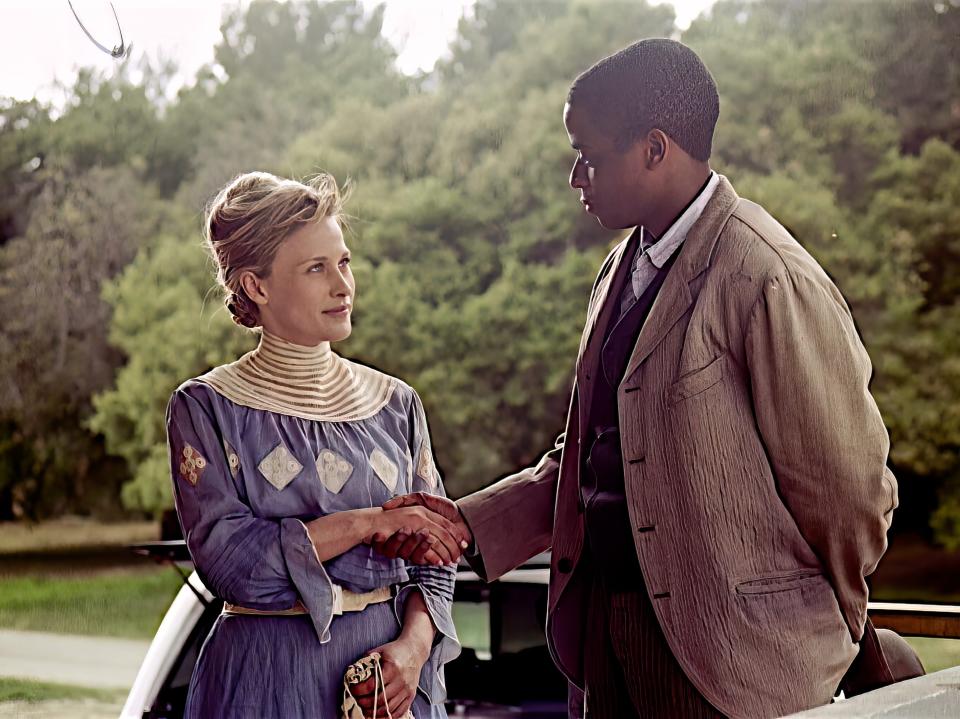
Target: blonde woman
x=281, y=461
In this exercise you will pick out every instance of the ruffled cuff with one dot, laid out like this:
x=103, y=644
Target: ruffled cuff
x=446, y=645
x=308, y=575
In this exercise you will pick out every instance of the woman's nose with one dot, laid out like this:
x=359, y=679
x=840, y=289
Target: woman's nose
x=341, y=286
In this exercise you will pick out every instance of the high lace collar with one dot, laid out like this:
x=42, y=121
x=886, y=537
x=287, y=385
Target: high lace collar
x=314, y=383
x=298, y=360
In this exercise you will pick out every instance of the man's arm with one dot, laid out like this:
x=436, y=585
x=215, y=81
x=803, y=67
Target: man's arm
x=512, y=520
x=508, y=522
x=825, y=439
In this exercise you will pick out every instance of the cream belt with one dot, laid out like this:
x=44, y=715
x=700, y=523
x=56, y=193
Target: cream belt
x=343, y=601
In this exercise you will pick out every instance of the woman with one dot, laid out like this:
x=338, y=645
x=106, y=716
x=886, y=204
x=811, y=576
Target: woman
x=280, y=463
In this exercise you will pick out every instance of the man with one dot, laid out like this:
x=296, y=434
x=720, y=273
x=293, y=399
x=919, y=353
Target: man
x=720, y=492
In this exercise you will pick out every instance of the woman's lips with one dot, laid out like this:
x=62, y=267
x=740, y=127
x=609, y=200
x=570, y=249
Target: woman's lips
x=338, y=312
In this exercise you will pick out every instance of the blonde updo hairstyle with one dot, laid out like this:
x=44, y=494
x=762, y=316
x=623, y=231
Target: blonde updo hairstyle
x=249, y=219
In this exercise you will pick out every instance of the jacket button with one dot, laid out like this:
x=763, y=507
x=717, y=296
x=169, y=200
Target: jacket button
x=565, y=565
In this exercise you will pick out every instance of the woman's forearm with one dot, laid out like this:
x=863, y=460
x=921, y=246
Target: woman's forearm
x=418, y=630
x=335, y=533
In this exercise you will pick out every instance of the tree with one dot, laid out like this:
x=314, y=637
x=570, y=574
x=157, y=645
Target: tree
x=53, y=332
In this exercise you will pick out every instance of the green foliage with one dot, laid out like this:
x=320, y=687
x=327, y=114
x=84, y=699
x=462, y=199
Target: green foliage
x=134, y=601
x=83, y=228
x=473, y=258
x=169, y=323
x=27, y=690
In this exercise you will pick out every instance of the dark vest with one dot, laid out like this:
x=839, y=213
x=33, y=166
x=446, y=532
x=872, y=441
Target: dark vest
x=609, y=535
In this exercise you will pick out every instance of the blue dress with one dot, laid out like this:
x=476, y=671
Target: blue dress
x=246, y=477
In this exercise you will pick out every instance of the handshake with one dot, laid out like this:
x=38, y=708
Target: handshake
x=421, y=528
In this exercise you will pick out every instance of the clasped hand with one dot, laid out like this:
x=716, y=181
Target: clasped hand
x=422, y=529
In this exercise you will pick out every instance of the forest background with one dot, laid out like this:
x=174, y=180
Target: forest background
x=473, y=258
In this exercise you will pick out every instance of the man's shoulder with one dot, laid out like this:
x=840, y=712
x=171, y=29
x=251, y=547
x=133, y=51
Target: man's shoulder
x=763, y=248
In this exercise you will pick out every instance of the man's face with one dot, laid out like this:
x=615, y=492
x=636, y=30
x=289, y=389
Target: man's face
x=614, y=184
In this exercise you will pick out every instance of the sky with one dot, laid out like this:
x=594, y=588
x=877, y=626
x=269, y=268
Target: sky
x=41, y=42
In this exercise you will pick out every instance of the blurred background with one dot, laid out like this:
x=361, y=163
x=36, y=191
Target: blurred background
x=473, y=257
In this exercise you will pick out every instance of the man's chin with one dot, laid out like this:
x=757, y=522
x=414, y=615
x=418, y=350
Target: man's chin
x=611, y=224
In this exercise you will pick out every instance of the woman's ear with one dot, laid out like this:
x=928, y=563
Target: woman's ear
x=254, y=287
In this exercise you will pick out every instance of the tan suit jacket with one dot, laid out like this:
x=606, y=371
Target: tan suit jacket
x=755, y=465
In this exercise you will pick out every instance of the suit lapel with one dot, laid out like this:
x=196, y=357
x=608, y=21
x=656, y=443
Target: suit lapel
x=675, y=296
x=602, y=308
x=598, y=317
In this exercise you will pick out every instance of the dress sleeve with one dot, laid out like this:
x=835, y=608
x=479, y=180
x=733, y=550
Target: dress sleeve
x=246, y=560
x=435, y=583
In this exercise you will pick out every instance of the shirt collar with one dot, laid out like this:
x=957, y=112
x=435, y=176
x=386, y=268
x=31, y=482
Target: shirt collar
x=659, y=251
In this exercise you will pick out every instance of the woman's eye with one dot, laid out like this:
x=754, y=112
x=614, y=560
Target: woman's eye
x=317, y=267
x=345, y=261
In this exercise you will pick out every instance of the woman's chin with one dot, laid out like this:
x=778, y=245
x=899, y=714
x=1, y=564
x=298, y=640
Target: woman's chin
x=339, y=334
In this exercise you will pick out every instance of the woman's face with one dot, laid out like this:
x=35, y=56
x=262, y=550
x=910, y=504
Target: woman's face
x=308, y=296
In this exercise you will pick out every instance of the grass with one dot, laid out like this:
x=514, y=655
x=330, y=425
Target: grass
x=473, y=625
x=72, y=533
x=127, y=603
x=936, y=654
x=26, y=690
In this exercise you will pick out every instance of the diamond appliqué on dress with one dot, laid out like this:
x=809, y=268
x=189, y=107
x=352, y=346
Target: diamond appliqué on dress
x=280, y=467
x=385, y=468
x=334, y=470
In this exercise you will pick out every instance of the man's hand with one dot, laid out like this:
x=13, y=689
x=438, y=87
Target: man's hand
x=443, y=540
x=413, y=547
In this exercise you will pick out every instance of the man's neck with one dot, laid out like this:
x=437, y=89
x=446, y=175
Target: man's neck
x=686, y=189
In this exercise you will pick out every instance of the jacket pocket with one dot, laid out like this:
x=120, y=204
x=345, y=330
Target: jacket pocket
x=697, y=381
x=782, y=582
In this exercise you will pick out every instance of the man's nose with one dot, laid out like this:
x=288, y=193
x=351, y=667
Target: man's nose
x=578, y=176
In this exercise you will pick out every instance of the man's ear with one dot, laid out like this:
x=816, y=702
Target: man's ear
x=254, y=287
x=658, y=146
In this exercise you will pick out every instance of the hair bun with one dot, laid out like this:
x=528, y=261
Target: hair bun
x=242, y=310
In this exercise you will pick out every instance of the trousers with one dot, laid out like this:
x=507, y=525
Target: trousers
x=629, y=669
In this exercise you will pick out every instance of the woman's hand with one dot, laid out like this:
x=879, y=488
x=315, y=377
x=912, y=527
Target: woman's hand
x=400, y=662
x=442, y=537
x=410, y=547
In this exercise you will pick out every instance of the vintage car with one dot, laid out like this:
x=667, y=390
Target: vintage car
x=504, y=669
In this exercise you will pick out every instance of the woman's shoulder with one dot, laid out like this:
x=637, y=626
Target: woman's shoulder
x=192, y=392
